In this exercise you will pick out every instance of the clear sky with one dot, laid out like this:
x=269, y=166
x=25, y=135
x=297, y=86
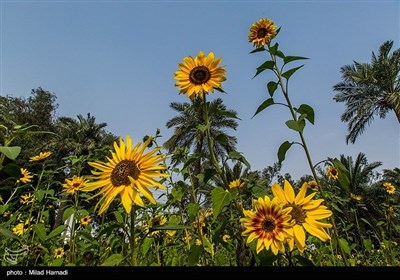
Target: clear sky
x=116, y=59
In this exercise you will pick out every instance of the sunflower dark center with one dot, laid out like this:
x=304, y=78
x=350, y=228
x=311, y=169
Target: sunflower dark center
x=199, y=75
x=122, y=171
x=76, y=185
x=268, y=225
x=334, y=172
x=262, y=32
x=297, y=213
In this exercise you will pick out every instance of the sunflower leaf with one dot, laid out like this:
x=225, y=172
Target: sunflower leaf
x=67, y=213
x=208, y=174
x=274, y=49
x=345, y=245
x=308, y=111
x=297, y=125
x=8, y=234
x=272, y=86
x=40, y=230
x=283, y=148
x=269, y=64
x=239, y=157
x=147, y=244
x=192, y=210
x=10, y=152
x=192, y=159
x=220, y=199
x=263, y=106
x=194, y=254
x=58, y=230
x=13, y=170
x=290, y=58
x=260, y=49
x=290, y=72
x=113, y=260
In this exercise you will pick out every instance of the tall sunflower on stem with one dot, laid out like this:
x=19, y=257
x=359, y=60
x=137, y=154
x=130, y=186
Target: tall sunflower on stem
x=129, y=172
x=261, y=35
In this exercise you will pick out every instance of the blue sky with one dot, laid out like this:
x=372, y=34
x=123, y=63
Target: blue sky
x=116, y=59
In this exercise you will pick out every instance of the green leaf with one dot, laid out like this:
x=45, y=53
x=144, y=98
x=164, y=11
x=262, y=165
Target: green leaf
x=208, y=174
x=367, y=244
x=274, y=48
x=308, y=111
x=39, y=194
x=334, y=205
x=147, y=244
x=290, y=58
x=220, y=112
x=203, y=127
x=290, y=72
x=170, y=227
x=303, y=261
x=119, y=217
x=272, y=86
x=264, y=105
x=112, y=260
x=194, y=254
x=366, y=221
x=345, y=245
x=13, y=170
x=10, y=152
x=192, y=210
x=177, y=192
x=8, y=234
x=260, y=49
x=344, y=174
x=238, y=156
x=259, y=191
x=57, y=262
x=219, y=89
x=220, y=199
x=40, y=230
x=280, y=54
x=283, y=148
x=58, y=230
x=67, y=213
x=192, y=159
x=296, y=125
x=222, y=139
x=269, y=64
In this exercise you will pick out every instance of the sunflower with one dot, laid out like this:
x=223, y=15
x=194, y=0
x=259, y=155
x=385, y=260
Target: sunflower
x=332, y=173
x=21, y=228
x=76, y=184
x=226, y=237
x=58, y=253
x=312, y=184
x=27, y=198
x=269, y=223
x=199, y=75
x=262, y=32
x=389, y=188
x=157, y=221
x=85, y=220
x=305, y=213
x=40, y=156
x=355, y=197
x=128, y=173
x=236, y=184
x=25, y=176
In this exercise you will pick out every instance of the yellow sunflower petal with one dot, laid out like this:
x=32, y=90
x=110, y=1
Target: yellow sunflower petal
x=301, y=194
x=289, y=192
x=278, y=192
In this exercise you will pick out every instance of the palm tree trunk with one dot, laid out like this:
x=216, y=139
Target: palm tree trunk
x=197, y=164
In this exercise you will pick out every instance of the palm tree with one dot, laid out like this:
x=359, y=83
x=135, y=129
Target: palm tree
x=189, y=134
x=369, y=90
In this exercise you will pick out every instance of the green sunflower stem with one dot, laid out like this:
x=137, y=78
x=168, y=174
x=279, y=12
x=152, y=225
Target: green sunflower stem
x=284, y=89
x=132, y=237
x=211, y=144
